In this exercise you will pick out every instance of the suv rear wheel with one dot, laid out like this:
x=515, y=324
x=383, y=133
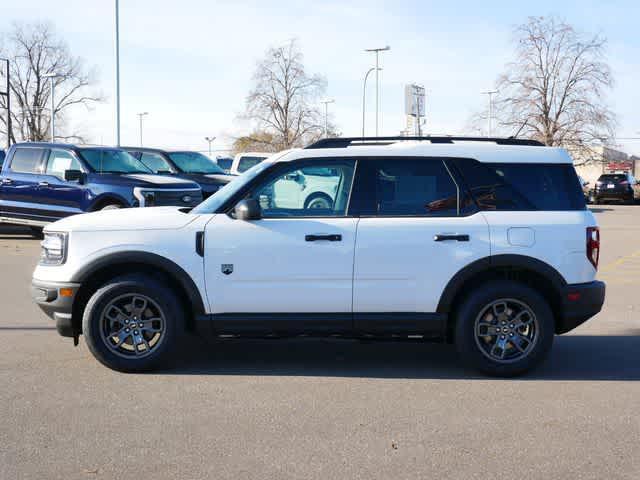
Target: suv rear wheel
x=131, y=323
x=504, y=329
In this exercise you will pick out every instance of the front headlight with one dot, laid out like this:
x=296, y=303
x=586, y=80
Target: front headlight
x=54, y=248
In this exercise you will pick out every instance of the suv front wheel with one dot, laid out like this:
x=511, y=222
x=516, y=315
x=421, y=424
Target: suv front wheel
x=131, y=323
x=504, y=329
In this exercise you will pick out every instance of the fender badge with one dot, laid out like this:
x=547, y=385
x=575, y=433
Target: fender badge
x=226, y=268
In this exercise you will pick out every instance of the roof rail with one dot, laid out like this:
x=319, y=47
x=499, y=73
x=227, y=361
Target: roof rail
x=343, y=142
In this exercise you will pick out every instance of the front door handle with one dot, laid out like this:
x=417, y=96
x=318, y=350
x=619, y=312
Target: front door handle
x=43, y=184
x=442, y=237
x=331, y=238
x=7, y=181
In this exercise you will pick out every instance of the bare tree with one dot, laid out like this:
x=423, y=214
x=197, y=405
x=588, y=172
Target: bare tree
x=34, y=51
x=284, y=102
x=554, y=90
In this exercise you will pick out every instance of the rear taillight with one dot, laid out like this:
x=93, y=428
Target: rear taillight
x=593, y=245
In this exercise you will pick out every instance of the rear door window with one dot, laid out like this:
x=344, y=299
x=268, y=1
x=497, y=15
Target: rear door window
x=397, y=187
x=27, y=160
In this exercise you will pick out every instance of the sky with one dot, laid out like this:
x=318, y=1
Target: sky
x=189, y=63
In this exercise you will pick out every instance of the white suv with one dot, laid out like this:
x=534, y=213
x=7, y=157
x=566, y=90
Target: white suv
x=485, y=243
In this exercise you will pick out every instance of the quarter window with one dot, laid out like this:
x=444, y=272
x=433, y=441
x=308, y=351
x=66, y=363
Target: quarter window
x=26, y=160
x=524, y=187
x=59, y=161
x=318, y=190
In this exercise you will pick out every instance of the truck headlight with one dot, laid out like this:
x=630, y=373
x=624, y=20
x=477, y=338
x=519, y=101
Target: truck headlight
x=54, y=248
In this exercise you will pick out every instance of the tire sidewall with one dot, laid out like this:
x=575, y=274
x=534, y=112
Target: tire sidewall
x=111, y=206
x=147, y=286
x=315, y=196
x=471, y=308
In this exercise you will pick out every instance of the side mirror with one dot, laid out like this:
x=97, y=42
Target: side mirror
x=248, y=209
x=74, y=176
x=587, y=183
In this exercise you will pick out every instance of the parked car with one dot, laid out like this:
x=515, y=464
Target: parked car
x=43, y=182
x=310, y=187
x=184, y=164
x=244, y=161
x=489, y=247
x=225, y=163
x=619, y=187
x=587, y=191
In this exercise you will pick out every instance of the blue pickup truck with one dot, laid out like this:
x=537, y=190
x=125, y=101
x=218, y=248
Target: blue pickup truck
x=43, y=182
x=184, y=164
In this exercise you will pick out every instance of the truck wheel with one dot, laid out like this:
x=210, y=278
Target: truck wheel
x=111, y=206
x=131, y=323
x=318, y=200
x=504, y=329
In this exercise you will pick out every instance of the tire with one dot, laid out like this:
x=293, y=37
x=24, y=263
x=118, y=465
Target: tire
x=159, y=337
x=476, y=312
x=318, y=200
x=37, y=232
x=111, y=206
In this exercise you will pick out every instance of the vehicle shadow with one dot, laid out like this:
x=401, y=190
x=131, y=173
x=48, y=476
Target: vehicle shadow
x=13, y=232
x=573, y=357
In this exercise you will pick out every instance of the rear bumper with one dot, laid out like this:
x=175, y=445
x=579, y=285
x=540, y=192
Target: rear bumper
x=58, y=307
x=623, y=195
x=580, y=302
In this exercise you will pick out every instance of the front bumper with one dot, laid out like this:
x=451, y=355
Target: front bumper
x=56, y=300
x=580, y=302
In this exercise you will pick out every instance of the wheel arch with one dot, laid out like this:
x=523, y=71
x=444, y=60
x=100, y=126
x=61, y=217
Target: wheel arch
x=533, y=272
x=117, y=264
x=318, y=194
x=107, y=199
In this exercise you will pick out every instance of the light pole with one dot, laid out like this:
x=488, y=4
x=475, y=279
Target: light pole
x=490, y=94
x=377, y=51
x=8, y=95
x=118, y=75
x=364, y=95
x=326, y=115
x=210, y=140
x=140, y=115
x=52, y=76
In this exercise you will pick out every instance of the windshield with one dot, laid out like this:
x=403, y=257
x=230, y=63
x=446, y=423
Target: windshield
x=194, y=162
x=215, y=201
x=113, y=161
x=615, y=178
x=246, y=163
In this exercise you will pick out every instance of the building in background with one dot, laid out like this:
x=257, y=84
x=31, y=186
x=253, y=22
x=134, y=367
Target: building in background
x=605, y=160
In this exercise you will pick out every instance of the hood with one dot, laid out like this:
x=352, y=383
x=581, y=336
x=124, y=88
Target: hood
x=145, y=180
x=149, y=218
x=206, y=178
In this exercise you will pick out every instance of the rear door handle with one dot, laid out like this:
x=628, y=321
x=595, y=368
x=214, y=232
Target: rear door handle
x=43, y=184
x=331, y=238
x=7, y=181
x=443, y=237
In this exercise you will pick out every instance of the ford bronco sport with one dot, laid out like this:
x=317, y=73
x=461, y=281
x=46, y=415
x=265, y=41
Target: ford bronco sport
x=484, y=243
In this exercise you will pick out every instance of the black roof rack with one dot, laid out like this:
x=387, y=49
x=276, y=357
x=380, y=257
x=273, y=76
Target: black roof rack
x=343, y=142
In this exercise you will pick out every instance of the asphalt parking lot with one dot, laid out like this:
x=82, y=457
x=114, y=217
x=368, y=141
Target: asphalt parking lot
x=319, y=409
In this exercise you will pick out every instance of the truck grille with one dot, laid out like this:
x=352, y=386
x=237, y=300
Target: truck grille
x=178, y=198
